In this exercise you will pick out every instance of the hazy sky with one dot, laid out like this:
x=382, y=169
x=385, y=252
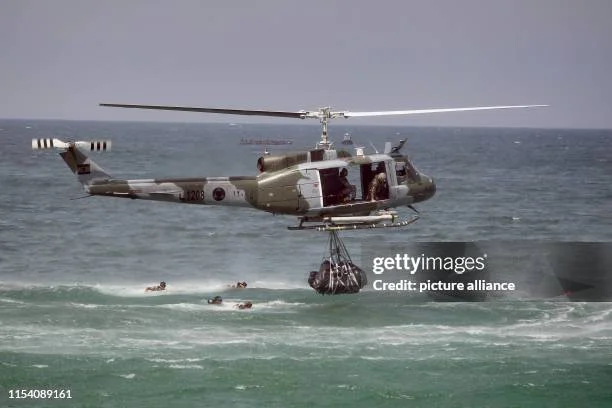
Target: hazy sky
x=59, y=59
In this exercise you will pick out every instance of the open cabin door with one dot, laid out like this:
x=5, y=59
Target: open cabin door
x=377, y=181
x=374, y=181
x=338, y=185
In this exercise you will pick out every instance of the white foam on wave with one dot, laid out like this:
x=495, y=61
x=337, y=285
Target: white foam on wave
x=138, y=289
x=19, y=285
x=231, y=305
x=199, y=307
x=278, y=285
x=128, y=376
x=86, y=305
x=601, y=316
x=278, y=305
x=174, y=360
x=243, y=387
x=113, y=290
x=190, y=288
x=122, y=290
x=12, y=301
x=540, y=331
x=127, y=290
x=186, y=366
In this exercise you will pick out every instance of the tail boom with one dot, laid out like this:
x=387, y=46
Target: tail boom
x=228, y=191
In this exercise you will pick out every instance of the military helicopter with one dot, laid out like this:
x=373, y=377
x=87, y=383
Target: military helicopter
x=311, y=185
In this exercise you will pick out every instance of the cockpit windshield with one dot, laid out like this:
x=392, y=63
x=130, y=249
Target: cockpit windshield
x=405, y=171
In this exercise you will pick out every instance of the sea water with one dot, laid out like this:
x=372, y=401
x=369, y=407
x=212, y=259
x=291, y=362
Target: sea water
x=74, y=315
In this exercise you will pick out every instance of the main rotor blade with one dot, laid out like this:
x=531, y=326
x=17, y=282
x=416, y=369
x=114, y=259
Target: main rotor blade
x=419, y=111
x=283, y=114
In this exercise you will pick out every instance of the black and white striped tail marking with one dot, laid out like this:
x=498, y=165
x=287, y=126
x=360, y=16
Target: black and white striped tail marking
x=100, y=145
x=94, y=145
x=43, y=144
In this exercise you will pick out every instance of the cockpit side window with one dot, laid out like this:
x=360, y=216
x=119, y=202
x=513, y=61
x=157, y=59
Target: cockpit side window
x=405, y=170
x=400, y=171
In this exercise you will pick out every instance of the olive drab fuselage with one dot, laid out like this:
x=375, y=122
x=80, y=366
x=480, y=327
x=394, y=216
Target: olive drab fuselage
x=316, y=185
x=303, y=184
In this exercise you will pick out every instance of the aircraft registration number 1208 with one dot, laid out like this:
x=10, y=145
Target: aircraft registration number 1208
x=193, y=195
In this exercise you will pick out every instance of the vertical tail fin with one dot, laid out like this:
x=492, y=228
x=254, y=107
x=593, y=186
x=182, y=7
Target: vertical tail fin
x=86, y=170
x=83, y=167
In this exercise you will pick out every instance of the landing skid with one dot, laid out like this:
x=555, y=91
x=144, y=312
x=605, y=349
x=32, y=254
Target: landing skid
x=353, y=223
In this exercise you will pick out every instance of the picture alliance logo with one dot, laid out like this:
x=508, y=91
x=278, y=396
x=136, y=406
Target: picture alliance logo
x=412, y=264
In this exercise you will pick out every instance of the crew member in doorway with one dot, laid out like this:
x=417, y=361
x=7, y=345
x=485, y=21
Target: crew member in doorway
x=378, y=189
x=348, y=189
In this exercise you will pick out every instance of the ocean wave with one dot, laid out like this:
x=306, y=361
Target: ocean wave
x=83, y=294
x=127, y=376
x=12, y=301
x=186, y=366
x=174, y=360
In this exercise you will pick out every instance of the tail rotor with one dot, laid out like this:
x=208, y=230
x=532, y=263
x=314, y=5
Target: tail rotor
x=93, y=145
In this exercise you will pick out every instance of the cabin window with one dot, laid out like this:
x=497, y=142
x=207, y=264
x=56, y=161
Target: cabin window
x=316, y=155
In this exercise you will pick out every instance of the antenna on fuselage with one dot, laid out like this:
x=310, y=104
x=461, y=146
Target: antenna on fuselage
x=374, y=147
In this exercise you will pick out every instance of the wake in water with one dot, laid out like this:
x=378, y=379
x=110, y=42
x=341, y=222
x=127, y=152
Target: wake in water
x=13, y=292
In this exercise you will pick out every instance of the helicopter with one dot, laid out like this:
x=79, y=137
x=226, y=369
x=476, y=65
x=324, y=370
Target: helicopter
x=311, y=185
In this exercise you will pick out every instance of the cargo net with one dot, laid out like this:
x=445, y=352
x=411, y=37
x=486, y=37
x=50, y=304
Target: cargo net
x=337, y=274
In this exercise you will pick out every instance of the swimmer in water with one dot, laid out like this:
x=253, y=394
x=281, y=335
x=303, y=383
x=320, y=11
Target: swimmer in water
x=217, y=300
x=245, y=305
x=161, y=286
